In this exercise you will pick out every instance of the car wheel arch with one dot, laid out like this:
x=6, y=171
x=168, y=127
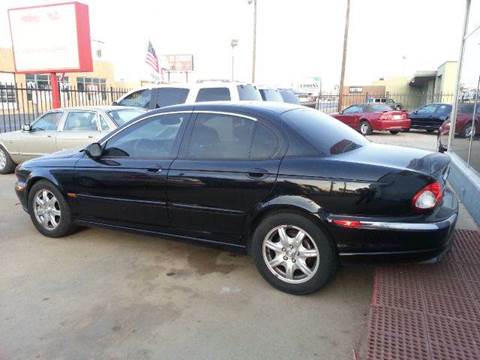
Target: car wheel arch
x=301, y=209
x=36, y=178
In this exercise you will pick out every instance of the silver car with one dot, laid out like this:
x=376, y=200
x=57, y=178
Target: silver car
x=61, y=129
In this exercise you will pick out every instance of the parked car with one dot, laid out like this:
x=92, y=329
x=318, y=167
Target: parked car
x=291, y=186
x=430, y=117
x=463, y=128
x=367, y=118
x=172, y=94
x=270, y=94
x=387, y=101
x=60, y=129
x=289, y=96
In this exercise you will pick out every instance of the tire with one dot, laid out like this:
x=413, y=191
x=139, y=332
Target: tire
x=6, y=163
x=320, y=267
x=430, y=131
x=57, y=222
x=365, y=128
x=466, y=132
x=394, y=132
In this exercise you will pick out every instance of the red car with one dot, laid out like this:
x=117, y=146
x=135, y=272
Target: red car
x=463, y=127
x=369, y=117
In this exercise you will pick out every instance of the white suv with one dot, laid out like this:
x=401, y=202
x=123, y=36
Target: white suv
x=159, y=96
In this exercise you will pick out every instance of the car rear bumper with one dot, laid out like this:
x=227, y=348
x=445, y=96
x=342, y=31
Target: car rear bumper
x=392, y=125
x=415, y=238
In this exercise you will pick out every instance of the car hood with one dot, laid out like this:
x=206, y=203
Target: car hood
x=59, y=158
x=11, y=135
x=422, y=161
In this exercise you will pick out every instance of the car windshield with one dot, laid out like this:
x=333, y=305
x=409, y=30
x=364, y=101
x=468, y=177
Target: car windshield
x=248, y=92
x=123, y=116
x=325, y=133
x=380, y=108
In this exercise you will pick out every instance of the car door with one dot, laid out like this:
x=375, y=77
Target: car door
x=351, y=115
x=41, y=139
x=126, y=186
x=79, y=128
x=228, y=165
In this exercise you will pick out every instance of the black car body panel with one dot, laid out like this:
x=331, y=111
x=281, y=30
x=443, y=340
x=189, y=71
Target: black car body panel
x=220, y=201
x=430, y=117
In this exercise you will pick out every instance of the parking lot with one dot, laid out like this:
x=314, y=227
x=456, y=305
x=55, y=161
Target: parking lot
x=113, y=295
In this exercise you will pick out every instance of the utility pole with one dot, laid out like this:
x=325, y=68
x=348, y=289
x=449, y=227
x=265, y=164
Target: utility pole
x=344, y=57
x=233, y=44
x=254, y=51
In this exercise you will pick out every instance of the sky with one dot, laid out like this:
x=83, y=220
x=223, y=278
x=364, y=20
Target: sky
x=295, y=38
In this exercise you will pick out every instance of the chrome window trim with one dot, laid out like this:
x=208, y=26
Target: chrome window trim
x=398, y=226
x=177, y=112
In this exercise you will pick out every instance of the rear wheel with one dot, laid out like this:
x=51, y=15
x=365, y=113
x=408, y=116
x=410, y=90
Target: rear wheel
x=6, y=164
x=394, y=132
x=365, y=127
x=293, y=254
x=467, y=131
x=49, y=211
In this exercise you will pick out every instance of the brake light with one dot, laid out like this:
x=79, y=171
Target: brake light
x=428, y=197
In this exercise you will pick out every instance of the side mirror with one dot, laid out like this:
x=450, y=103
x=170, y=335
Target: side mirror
x=94, y=151
x=114, y=103
x=415, y=112
x=26, y=127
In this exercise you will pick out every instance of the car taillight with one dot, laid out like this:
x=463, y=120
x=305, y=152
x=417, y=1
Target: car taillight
x=428, y=197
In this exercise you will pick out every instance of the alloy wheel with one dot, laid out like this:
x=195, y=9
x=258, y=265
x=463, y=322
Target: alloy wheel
x=47, y=209
x=364, y=128
x=290, y=254
x=3, y=159
x=468, y=131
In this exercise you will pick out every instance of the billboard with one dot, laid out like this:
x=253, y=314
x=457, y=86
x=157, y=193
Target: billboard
x=177, y=62
x=51, y=38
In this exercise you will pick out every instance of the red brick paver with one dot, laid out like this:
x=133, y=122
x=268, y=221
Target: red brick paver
x=428, y=311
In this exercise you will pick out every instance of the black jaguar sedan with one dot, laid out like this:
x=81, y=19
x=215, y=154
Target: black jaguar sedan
x=293, y=187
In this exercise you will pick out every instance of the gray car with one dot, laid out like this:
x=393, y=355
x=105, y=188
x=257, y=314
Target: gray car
x=61, y=129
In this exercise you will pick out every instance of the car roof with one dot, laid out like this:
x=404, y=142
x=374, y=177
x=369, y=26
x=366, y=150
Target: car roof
x=99, y=108
x=246, y=107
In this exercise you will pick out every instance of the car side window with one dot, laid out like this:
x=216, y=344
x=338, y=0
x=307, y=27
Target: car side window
x=428, y=109
x=47, y=122
x=352, y=109
x=153, y=138
x=81, y=121
x=265, y=143
x=170, y=96
x=444, y=109
x=140, y=98
x=218, y=136
x=213, y=94
x=103, y=124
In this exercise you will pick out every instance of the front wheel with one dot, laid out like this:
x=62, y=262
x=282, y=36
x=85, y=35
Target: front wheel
x=293, y=254
x=365, y=128
x=6, y=164
x=430, y=131
x=467, y=131
x=394, y=132
x=49, y=211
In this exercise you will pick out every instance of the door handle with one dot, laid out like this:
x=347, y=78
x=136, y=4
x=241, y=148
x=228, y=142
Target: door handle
x=155, y=170
x=257, y=173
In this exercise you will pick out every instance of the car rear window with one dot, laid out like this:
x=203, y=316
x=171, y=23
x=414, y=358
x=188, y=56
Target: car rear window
x=171, y=96
x=248, y=92
x=379, y=108
x=213, y=94
x=271, y=95
x=326, y=134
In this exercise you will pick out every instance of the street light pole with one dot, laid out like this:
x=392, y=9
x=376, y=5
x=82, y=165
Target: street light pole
x=254, y=51
x=344, y=56
x=233, y=44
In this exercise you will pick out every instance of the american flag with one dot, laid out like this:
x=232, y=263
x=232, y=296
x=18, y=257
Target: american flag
x=151, y=58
